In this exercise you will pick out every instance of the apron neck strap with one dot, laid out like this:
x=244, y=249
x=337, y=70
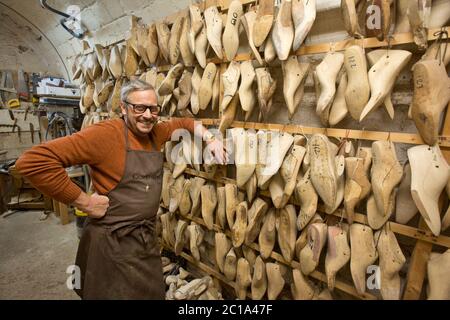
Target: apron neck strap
x=153, y=144
x=127, y=144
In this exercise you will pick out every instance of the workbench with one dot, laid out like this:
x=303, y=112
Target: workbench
x=60, y=209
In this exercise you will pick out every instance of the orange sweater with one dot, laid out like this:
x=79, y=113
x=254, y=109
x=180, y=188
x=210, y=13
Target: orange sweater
x=101, y=146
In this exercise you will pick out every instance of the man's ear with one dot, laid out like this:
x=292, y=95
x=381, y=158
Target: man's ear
x=123, y=108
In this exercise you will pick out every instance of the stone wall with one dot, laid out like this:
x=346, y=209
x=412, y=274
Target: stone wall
x=107, y=21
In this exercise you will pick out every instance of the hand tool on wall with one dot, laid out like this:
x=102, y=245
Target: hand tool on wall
x=27, y=109
x=11, y=115
x=13, y=103
x=22, y=85
x=32, y=132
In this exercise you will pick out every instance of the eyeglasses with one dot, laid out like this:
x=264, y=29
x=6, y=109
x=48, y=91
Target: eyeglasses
x=141, y=108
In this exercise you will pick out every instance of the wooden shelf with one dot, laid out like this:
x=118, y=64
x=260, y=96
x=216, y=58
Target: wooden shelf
x=416, y=233
x=28, y=205
x=398, y=39
x=398, y=137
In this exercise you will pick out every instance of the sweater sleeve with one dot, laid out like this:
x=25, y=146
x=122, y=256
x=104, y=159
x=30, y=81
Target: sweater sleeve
x=43, y=165
x=163, y=131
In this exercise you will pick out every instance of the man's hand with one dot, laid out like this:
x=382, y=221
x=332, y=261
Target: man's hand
x=218, y=150
x=95, y=205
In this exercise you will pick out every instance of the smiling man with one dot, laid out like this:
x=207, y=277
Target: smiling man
x=118, y=254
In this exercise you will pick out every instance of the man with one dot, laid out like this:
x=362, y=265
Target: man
x=118, y=253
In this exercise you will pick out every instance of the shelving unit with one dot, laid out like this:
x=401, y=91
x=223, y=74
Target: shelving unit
x=416, y=273
x=425, y=239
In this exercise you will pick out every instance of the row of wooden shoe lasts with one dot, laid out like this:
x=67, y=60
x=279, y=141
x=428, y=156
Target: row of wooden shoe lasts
x=344, y=85
x=257, y=208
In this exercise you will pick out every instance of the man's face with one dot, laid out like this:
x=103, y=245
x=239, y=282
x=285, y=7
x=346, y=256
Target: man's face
x=140, y=124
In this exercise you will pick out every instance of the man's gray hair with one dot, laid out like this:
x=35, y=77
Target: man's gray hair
x=134, y=85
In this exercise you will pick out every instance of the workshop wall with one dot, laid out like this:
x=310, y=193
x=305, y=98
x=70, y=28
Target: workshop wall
x=23, y=46
x=107, y=22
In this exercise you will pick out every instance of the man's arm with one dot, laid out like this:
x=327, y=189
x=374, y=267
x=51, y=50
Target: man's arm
x=215, y=145
x=163, y=130
x=43, y=165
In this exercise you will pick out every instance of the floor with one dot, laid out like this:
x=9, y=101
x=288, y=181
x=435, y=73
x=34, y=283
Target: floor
x=34, y=256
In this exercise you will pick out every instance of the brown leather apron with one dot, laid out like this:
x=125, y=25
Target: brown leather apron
x=118, y=255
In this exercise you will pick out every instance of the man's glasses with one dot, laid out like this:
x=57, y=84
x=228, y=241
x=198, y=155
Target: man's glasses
x=141, y=108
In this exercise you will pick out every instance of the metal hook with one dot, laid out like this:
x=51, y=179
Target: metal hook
x=359, y=139
x=389, y=137
x=245, y=123
x=389, y=44
x=440, y=36
x=290, y=121
x=342, y=218
x=378, y=239
x=303, y=133
x=385, y=228
x=347, y=133
x=343, y=141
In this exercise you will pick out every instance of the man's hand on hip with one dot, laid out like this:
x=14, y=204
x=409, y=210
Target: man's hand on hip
x=95, y=205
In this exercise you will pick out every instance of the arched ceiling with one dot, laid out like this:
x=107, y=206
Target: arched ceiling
x=24, y=46
x=25, y=21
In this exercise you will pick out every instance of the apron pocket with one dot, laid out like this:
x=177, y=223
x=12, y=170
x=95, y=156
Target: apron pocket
x=137, y=244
